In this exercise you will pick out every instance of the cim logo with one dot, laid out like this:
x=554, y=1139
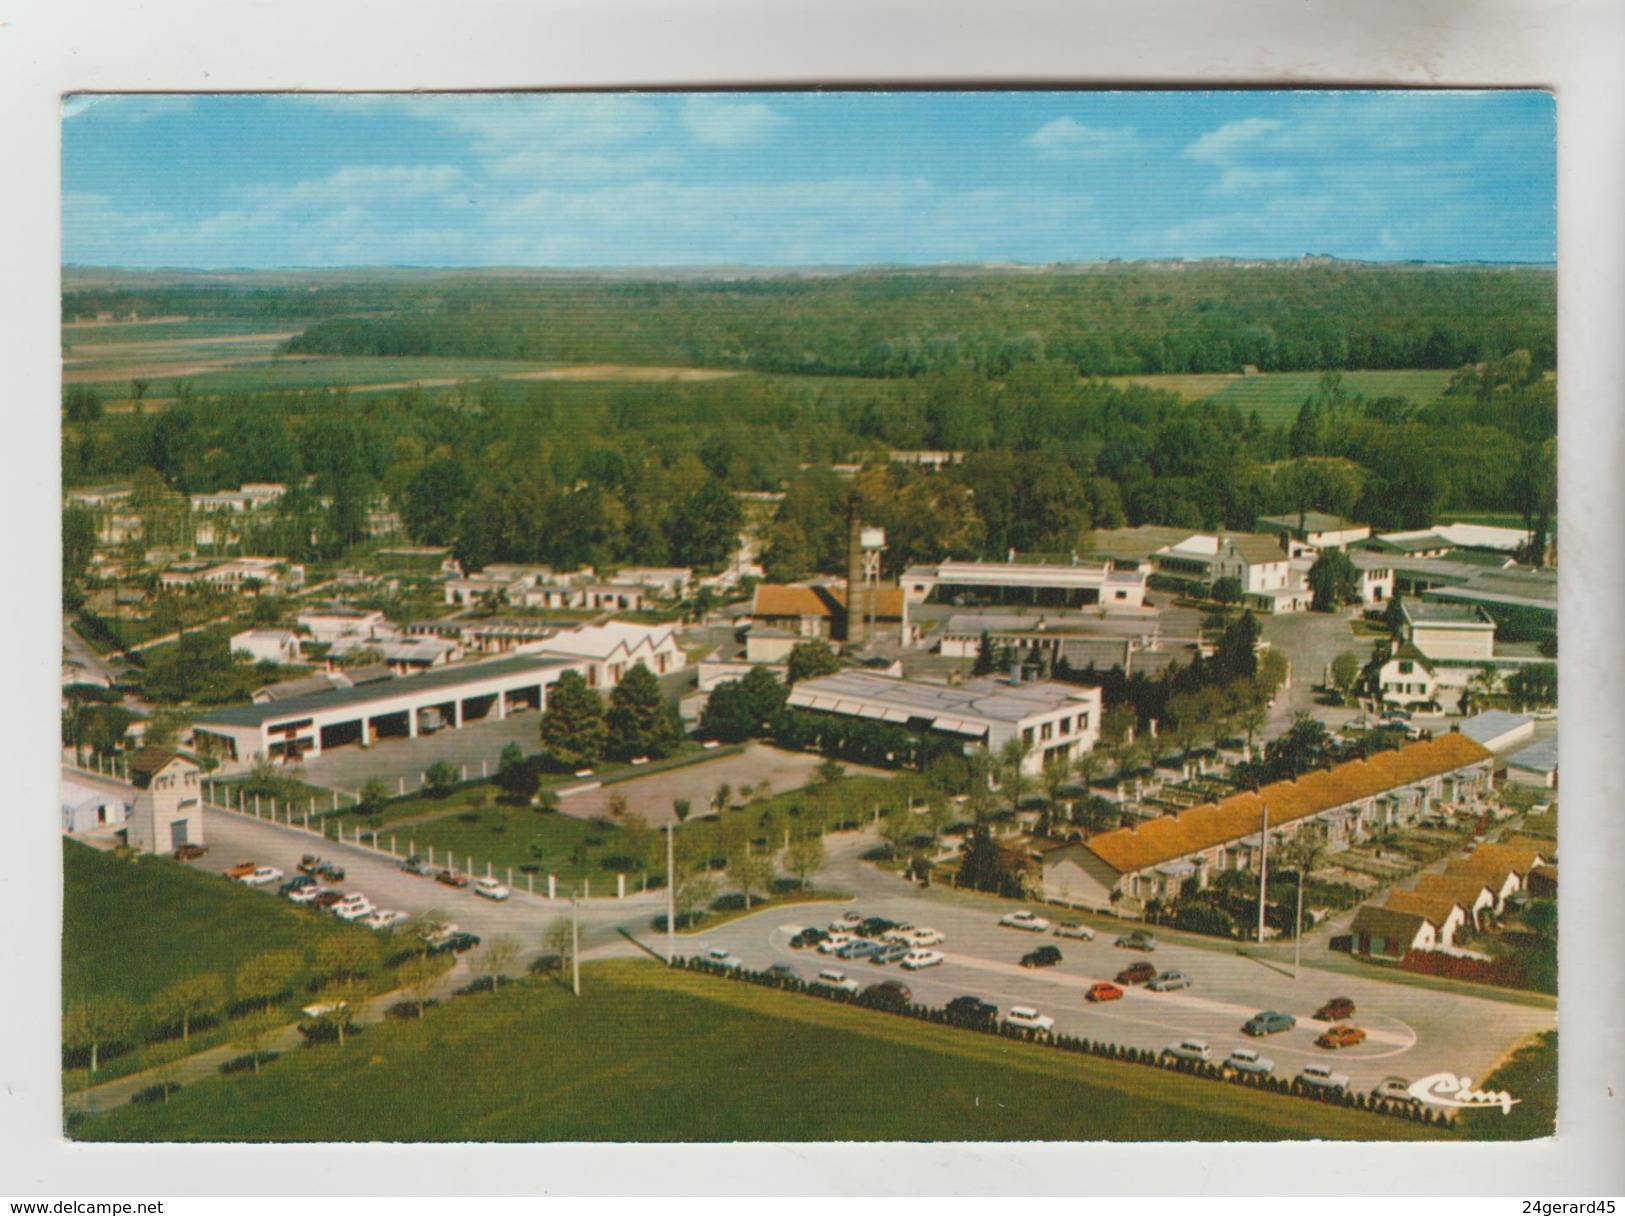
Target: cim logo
x=1447, y=1089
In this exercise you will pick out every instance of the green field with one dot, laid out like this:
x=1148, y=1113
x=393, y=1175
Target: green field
x=1278, y=395
x=79, y=337
x=132, y=927
x=648, y=1054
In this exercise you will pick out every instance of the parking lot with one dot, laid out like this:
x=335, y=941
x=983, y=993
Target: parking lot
x=1411, y=1032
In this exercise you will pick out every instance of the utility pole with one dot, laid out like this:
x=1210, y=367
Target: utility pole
x=1263, y=869
x=1297, y=925
x=671, y=894
x=575, y=945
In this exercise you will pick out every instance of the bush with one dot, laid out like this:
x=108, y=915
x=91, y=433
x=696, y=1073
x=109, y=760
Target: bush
x=321, y=1030
x=407, y=1011
x=547, y=964
x=245, y=1063
x=154, y=1093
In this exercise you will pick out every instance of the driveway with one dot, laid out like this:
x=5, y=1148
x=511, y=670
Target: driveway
x=1310, y=641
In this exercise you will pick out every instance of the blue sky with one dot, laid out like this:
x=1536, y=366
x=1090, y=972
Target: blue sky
x=217, y=181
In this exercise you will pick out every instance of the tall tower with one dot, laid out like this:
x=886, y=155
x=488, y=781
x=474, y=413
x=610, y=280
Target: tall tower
x=865, y=545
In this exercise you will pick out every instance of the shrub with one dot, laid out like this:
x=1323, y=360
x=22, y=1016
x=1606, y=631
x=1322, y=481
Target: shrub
x=154, y=1093
x=245, y=1063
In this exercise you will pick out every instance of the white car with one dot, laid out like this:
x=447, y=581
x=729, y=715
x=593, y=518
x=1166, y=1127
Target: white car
x=491, y=888
x=847, y=922
x=385, y=919
x=1024, y=920
x=1024, y=1017
x=261, y=877
x=304, y=895
x=354, y=907
x=1077, y=929
x=834, y=942
x=838, y=980
x=322, y=1008
x=1190, y=1049
x=718, y=957
x=1245, y=1059
x=1169, y=981
x=1321, y=1076
x=918, y=938
x=919, y=960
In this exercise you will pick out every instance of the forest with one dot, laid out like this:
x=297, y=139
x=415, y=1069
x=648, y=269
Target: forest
x=614, y=472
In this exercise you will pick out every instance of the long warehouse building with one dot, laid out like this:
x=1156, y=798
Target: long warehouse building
x=402, y=707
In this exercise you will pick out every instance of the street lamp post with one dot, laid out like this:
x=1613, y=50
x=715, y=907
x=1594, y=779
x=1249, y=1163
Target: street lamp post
x=1263, y=869
x=575, y=945
x=671, y=894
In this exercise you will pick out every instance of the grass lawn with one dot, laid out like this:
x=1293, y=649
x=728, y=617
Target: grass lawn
x=1529, y=1075
x=648, y=1054
x=572, y=848
x=1277, y=395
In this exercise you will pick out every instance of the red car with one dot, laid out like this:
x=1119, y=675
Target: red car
x=241, y=870
x=1335, y=1010
x=1105, y=992
x=326, y=900
x=1137, y=973
x=452, y=878
x=1341, y=1036
x=190, y=852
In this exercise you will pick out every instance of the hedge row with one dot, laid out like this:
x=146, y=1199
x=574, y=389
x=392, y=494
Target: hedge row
x=1415, y=1112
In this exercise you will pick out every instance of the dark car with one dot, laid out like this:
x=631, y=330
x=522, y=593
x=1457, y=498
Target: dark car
x=875, y=926
x=808, y=937
x=890, y=952
x=297, y=883
x=1044, y=956
x=888, y=994
x=1335, y=1010
x=972, y=1013
x=455, y=943
x=416, y=865
x=1137, y=940
x=326, y=899
x=190, y=852
x=1137, y=973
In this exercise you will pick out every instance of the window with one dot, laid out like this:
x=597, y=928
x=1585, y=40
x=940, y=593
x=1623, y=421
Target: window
x=1047, y=731
x=1066, y=726
x=1406, y=667
x=1027, y=736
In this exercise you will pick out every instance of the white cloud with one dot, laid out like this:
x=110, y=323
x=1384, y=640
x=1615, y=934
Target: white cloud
x=355, y=184
x=1241, y=181
x=728, y=123
x=1224, y=143
x=1069, y=139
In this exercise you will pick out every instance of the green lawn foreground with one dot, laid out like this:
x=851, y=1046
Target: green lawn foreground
x=650, y=1054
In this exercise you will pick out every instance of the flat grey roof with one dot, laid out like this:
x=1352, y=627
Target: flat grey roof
x=340, y=698
x=1538, y=757
x=1425, y=612
x=1314, y=521
x=1492, y=724
x=987, y=700
x=1517, y=587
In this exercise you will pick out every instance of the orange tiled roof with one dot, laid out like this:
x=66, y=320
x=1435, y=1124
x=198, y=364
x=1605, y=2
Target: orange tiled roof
x=1242, y=815
x=1459, y=888
x=1486, y=872
x=1436, y=908
x=776, y=599
x=1512, y=857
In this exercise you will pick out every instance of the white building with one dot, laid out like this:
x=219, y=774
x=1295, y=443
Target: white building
x=1038, y=584
x=328, y=626
x=235, y=574
x=266, y=645
x=1271, y=580
x=1316, y=529
x=605, y=653
x=168, y=808
x=1053, y=721
x=1408, y=678
x=1449, y=631
x=87, y=807
x=253, y=496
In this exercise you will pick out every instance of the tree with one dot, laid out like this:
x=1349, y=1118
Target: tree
x=805, y=856
x=441, y=778
x=264, y=978
x=811, y=659
x=720, y=799
x=728, y=716
x=681, y=807
x=986, y=661
x=1011, y=768
x=1394, y=616
x=1226, y=590
x=252, y=1030
x=573, y=729
x=988, y=865
x=98, y=1021
x=1534, y=684
x=559, y=939
x=763, y=693
x=897, y=830
x=1345, y=673
x=829, y=771
x=750, y=872
x=695, y=891
x=638, y=722
x=496, y=957
x=703, y=529
x=519, y=782
x=374, y=794
x=511, y=755
x=419, y=976
x=1334, y=580
x=346, y=958
x=192, y=997
x=1236, y=655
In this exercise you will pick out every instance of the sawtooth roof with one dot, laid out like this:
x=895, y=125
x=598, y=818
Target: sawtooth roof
x=1240, y=815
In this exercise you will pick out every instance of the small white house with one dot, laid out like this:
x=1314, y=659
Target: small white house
x=266, y=645
x=1408, y=678
x=86, y=808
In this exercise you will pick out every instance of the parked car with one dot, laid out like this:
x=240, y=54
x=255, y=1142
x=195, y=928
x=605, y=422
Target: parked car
x=354, y=907
x=1137, y=940
x=808, y=937
x=1268, y=1022
x=1335, y=1010
x=241, y=869
x=1136, y=973
x=309, y=895
x=1104, y=991
x=452, y=878
x=1075, y=928
x=324, y=900
x=834, y=941
x=190, y=852
x=1025, y=1017
x=719, y=957
x=836, y=981
x=918, y=938
x=893, y=995
x=783, y=971
x=298, y=882
x=1396, y=1089
x=490, y=888
x=321, y=868
x=1190, y=1049
x=890, y=952
x=1321, y=1076
x=1340, y=1036
x=875, y=926
x=1024, y=920
x=322, y=1009
x=263, y=876
x=858, y=947
x=1169, y=981
x=417, y=865
x=846, y=922
x=971, y=1013
x=385, y=919
x=1044, y=956
x=454, y=943
x=919, y=960
x=1245, y=1059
